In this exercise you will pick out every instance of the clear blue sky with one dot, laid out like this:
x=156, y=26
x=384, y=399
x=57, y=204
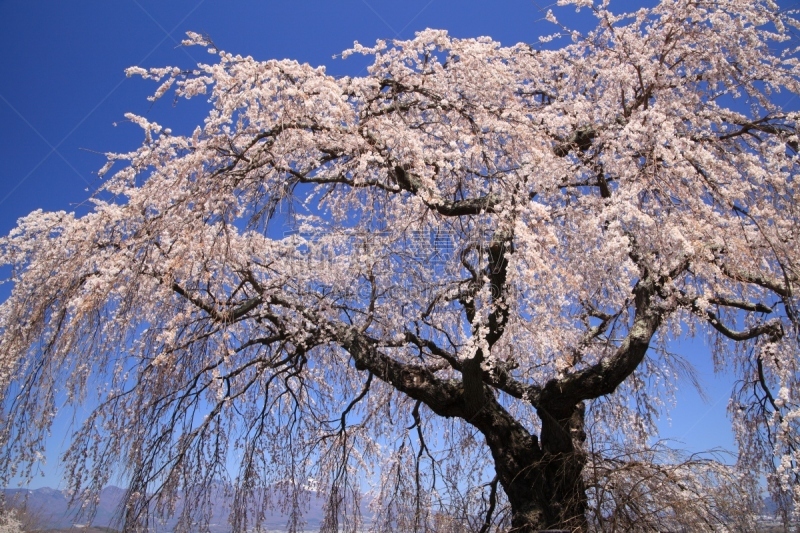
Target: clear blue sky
x=62, y=88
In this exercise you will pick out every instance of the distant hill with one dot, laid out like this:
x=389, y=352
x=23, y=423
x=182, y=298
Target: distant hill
x=55, y=515
x=52, y=508
x=90, y=529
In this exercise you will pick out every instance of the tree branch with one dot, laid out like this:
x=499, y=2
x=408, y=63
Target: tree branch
x=770, y=328
x=756, y=279
x=606, y=375
x=471, y=206
x=487, y=520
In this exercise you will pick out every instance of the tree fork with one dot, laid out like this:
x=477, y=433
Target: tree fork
x=542, y=477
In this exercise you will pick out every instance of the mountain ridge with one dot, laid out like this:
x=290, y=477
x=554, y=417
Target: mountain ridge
x=54, y=514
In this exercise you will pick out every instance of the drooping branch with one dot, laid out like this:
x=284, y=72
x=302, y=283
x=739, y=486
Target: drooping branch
x=355, y=400
x=487, y=519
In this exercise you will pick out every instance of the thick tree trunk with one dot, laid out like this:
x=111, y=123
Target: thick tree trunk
x=562, y=441
x=543, y=479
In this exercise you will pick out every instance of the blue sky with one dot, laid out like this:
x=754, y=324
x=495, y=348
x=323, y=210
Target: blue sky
x=62, y=89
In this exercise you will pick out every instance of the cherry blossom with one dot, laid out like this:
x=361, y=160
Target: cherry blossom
x=492, y=247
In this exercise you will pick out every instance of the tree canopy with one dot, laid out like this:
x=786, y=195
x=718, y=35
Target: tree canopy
x=492, y=247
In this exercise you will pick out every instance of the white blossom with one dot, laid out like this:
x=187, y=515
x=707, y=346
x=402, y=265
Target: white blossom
x=485, y=242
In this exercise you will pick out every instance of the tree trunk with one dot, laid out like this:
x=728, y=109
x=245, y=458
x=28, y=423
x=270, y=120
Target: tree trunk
x=562, y=441
x=543, y=478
